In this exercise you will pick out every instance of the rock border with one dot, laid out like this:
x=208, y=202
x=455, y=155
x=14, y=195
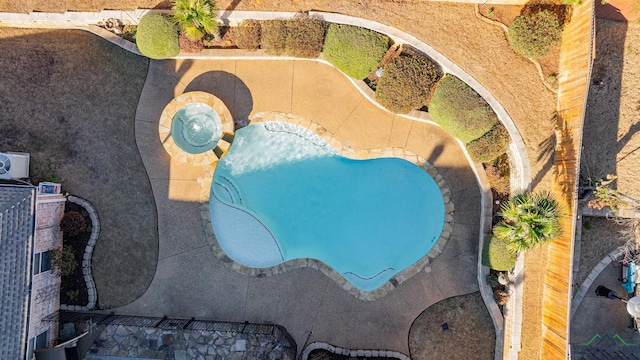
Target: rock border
x=350, y=352
x=166, y=119
x=86, y=258
x=346, y=151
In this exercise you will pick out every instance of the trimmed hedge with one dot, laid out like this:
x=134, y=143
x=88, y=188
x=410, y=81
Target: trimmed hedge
x=301, y=37
x=496, y=254
x=489, y=146
x=247, y=34
x=535, y=35
x=406, y=82
x=273, y=36
x=304, y=37
x=354, y=50
x=460, y=110
x=157, y=37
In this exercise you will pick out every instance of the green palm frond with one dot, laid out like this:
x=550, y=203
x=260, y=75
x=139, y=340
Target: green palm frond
x=195, y=17
x=529, y=220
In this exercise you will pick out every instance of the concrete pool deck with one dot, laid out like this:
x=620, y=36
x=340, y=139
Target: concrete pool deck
x=191, y=282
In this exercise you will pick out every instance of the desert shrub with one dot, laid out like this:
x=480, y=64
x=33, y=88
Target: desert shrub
x=496, y=254
x=406, y=82
x=247, y=34
x=501, y=295
x=492, y=280
x=273, y=36
x=498, y=181
x=489, y=146
x=460, y=110
x=534, y=35
x=63, y=260
x=73, y=224
x=304, y=37
x=129, y=32
x=157, y=37
x=196, y=18
x=354, y=50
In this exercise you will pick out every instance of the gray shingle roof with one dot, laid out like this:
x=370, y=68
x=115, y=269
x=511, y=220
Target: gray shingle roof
x=17, y=216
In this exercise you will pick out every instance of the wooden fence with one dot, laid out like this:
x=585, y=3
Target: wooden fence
x=574, y=75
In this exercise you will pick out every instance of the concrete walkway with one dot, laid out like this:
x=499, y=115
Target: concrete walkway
x=191, y=282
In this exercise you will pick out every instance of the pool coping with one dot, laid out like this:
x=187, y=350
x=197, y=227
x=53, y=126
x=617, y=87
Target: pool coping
x=348, y=152
x=166, y=119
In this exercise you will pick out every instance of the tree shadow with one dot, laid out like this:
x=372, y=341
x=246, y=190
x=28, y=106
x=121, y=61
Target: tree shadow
x=600, y=130
x=230, y=89
x=546, y=152
x=435, y=154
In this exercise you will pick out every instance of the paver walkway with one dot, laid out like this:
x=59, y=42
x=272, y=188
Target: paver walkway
x=191, y=282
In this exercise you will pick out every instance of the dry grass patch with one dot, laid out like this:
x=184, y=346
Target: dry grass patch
x=470, y=334
x=69, y=98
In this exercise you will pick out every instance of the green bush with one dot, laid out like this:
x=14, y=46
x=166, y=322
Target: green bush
x=406, y=82
x=247, y=34
x=157, y=37
x=354, y=50
x=195, y=17
x=490, y=145
x=304, y=37
x=460, y=110
x=496, y=254
x=63, y=260
x=273, y=36
x=73, y=223
x=535, y=35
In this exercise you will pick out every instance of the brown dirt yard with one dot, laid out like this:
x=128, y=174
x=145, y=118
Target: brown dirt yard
x=611, y=140
x=69, y=98
x=467, y=336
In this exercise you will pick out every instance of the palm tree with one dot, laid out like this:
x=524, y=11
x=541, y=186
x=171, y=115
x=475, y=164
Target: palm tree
x=195, y=17
x=529, y=220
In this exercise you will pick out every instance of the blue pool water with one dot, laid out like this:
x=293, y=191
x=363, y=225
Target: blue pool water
x=196, y=128
x=283, y=193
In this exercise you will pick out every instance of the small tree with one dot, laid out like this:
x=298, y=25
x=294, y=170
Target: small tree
x=195, y=18
x=529, y=220
x=406, y=82
x=534, y=35
x=605, y=196
x=64, y=262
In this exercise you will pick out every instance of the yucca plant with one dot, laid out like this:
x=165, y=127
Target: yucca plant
x=195, y=18
x=529, y=220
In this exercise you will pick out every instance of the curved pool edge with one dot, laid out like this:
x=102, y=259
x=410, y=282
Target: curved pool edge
x=346, y=151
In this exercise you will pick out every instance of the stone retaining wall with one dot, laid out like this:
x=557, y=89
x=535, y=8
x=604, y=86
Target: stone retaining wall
x=86, y=258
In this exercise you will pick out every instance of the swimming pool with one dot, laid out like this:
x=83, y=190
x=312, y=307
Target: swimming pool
x=283, y=193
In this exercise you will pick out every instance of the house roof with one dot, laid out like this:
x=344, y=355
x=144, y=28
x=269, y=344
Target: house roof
x=17, y=217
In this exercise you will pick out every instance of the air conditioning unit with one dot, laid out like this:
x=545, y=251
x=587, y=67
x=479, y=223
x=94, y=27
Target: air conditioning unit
x=14, y=165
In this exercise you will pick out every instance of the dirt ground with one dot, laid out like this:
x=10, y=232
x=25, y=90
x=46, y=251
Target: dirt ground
x=469, y=325
x=600, y=236
x=69, y=98
x=611, y=143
